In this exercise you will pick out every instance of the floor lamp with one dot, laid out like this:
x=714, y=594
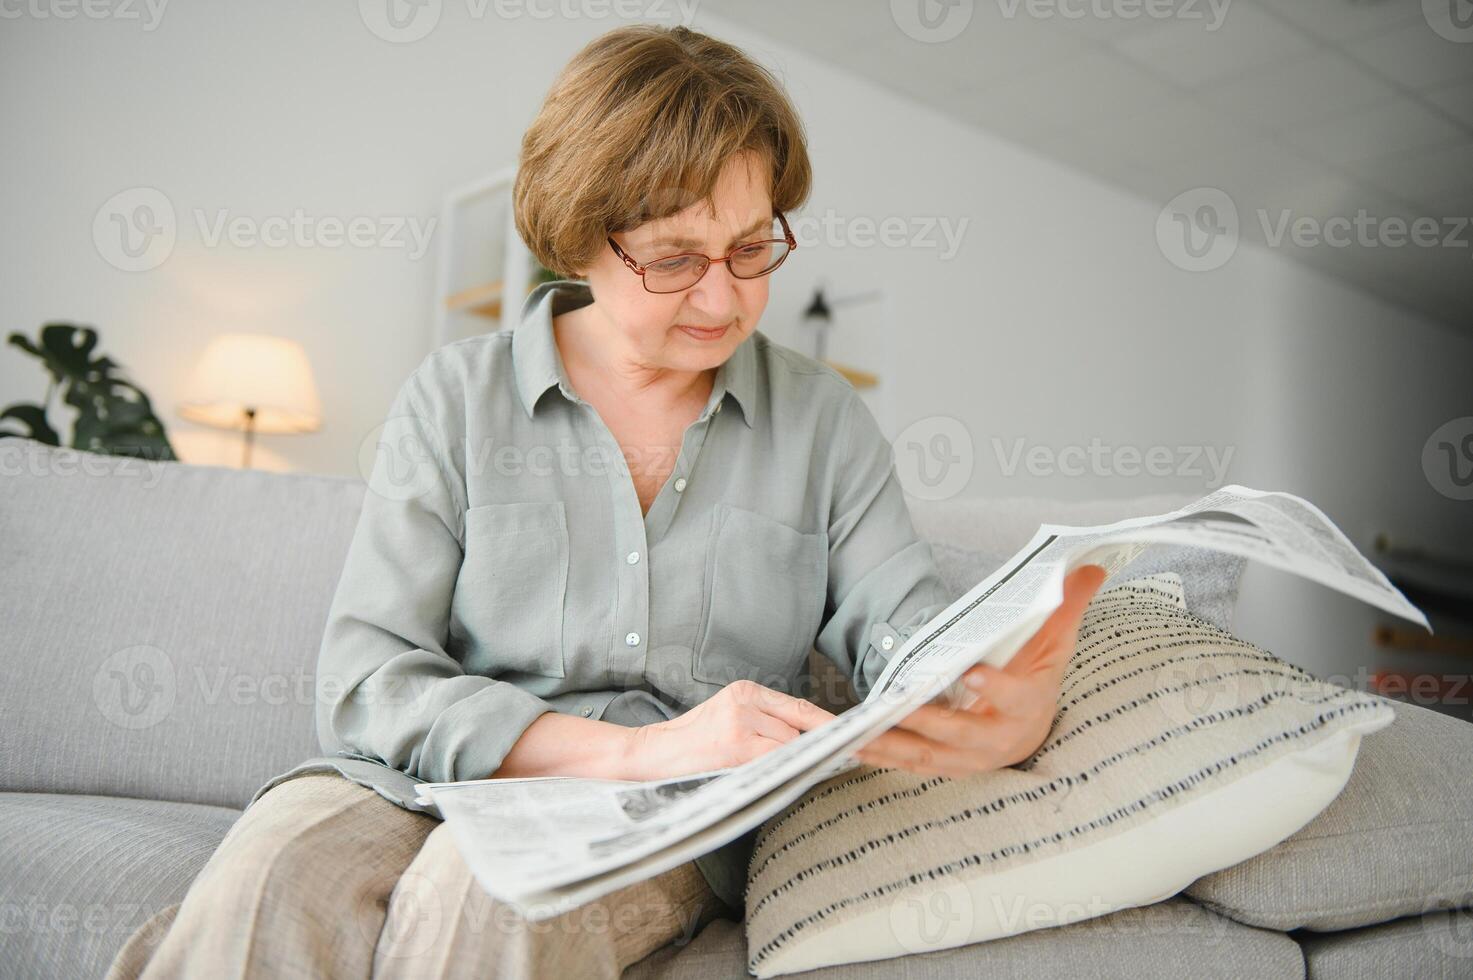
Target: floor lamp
x=254, y=383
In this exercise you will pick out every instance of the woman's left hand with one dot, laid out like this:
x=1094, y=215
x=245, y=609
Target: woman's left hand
x=1015, y=705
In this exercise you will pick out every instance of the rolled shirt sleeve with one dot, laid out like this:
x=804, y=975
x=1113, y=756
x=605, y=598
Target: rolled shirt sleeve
x=883, y=581
x=387, y=686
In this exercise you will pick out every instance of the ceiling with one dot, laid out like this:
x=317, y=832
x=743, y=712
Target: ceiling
x=1298, y=108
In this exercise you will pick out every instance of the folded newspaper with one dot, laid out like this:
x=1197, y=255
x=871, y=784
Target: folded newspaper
x=546, y=845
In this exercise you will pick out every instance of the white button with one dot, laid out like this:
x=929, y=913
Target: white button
x=680, y=485
x=587, y=712
x=718, y=405
x=632, y=558
x=887, y=643
x=632, y=639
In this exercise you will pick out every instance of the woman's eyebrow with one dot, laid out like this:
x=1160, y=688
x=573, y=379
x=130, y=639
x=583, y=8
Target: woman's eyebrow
x=757, y=225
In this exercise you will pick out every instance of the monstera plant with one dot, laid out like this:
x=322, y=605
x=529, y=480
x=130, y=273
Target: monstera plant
x=113, y=414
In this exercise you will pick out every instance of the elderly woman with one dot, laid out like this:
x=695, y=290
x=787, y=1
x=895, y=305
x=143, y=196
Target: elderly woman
x=574, y=560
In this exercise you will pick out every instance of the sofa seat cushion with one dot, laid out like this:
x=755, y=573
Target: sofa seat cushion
x=1167, y=940
x=1397, y=841
x=1434, y=946
x=81, y=873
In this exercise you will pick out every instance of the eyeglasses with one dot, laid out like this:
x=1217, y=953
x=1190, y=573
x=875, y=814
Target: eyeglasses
x=683, y=270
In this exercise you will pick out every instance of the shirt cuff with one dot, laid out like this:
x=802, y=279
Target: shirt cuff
x=584, y=704
x=472, y=737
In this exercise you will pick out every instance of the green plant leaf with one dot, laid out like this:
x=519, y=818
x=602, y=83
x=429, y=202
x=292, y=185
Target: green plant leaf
x=33, y=417
x=114, y=416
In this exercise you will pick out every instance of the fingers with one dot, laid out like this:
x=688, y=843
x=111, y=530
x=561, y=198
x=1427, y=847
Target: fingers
x=1008, y=693
x=801, y=714
x=1061, y=627
x=1080, y=587
x=940, y=741
x=757, y=745
x=773, y=727
x=962, y=728
x=898, y=748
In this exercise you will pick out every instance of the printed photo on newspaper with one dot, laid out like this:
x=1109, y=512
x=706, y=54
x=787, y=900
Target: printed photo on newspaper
x=550, y=844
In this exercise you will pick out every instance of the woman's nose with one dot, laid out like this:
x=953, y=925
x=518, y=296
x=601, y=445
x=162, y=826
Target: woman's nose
x=715, y=295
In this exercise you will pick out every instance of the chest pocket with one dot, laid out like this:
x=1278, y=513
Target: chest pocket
x=765, y=588
x=507, y=612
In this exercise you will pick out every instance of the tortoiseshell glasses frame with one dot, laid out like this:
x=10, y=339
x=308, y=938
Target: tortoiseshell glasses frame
x=666, y=270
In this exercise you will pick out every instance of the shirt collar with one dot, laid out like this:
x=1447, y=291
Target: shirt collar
x=539, y=365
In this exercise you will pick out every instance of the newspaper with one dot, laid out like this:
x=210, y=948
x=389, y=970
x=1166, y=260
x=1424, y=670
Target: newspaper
x=546, y=845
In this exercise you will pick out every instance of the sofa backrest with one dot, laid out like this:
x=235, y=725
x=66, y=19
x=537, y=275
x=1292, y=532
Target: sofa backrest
x=971, y=537
x=161, y=621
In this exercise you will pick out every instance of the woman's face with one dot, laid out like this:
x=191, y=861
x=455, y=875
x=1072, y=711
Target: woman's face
x=648, y=326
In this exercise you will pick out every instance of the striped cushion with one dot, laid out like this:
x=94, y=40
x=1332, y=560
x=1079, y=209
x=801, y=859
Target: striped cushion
x=1178, y=750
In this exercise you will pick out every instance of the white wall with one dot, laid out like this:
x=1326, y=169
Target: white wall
x=1058, y=321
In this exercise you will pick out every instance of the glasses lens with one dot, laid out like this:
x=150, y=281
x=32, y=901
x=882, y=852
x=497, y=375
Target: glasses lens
x=674, y=274
x=758, y=259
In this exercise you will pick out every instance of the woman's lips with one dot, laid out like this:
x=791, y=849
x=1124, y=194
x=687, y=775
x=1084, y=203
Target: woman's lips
x=703, y=334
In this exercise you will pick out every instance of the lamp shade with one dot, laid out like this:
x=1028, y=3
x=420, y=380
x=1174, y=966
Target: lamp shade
x=239, y=372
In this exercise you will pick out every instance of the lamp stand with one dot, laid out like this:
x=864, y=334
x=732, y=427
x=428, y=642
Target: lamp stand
x=250, y=433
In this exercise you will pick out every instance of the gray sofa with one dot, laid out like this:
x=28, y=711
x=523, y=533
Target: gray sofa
x=159, y=630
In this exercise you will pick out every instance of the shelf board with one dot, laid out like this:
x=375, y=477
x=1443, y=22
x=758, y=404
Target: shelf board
x=858, y=377
x=1389, y=637
x=483, y=300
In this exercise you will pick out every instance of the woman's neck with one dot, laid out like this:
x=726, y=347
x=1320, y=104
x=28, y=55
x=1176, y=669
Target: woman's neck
x=602, y=373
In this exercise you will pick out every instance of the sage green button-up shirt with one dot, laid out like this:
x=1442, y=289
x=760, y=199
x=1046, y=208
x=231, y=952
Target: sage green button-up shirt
x=502, y=567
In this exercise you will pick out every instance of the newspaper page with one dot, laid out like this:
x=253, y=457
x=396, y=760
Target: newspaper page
x=550, y=844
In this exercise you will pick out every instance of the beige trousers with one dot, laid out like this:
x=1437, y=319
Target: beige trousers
x=324, y=878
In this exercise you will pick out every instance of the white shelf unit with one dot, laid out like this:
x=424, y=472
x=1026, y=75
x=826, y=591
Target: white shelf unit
x=479, y=254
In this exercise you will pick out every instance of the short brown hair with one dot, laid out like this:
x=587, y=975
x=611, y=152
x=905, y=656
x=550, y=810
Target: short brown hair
x=638, y=126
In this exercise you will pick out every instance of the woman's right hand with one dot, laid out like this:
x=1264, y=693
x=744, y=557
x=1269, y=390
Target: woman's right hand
x=735, y=725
